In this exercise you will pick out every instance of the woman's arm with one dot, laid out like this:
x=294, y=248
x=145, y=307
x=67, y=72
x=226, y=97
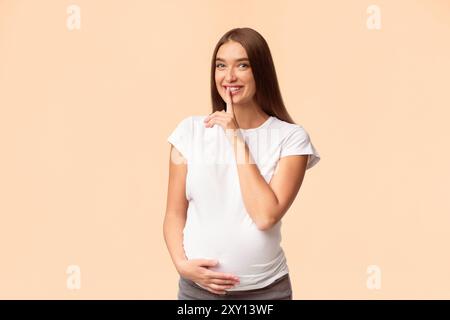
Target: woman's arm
x=267, y=203
x=176, y=210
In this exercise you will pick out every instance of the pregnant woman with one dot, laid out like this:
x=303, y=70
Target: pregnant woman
x=233, y=174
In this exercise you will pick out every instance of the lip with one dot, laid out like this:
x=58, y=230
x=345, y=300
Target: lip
x=236, y=92
x=233, y=93
x=238, y=86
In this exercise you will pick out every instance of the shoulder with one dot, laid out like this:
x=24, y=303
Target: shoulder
x=190, y=126
x=192, y=120
x=289, y=130
x=188, y=122
x=295, y=140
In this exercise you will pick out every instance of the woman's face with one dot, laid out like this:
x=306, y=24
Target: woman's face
x=233, y=69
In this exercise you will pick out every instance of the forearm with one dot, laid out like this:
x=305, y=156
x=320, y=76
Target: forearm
x=173, y=234
x=259, y=198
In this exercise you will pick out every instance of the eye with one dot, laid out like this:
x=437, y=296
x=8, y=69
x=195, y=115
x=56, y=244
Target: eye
x=221, y=64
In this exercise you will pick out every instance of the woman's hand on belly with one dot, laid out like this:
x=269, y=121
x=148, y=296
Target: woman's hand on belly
x=197, y=271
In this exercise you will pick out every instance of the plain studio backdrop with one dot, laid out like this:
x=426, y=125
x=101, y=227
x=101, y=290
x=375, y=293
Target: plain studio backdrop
x=90, y=91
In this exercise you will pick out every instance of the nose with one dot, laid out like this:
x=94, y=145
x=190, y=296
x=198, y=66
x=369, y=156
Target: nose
x=230, y=77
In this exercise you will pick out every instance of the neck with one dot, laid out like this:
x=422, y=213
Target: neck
x=249, y=115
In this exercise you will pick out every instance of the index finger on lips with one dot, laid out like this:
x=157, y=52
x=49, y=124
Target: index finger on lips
x=229, y=101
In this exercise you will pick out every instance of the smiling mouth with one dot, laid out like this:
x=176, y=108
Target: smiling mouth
x=234, y=90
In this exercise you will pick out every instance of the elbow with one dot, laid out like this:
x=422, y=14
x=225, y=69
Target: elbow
x=266, y=224
x=267, y=221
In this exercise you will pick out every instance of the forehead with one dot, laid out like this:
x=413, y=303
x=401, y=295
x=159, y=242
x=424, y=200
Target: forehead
x=231, y=50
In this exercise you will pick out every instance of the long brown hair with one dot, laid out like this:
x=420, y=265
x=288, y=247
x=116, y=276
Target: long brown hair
x=267, y=95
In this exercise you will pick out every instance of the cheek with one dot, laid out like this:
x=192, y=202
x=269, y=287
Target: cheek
x=251, y=88
x=219, y=74
x=219, y=86
x=250, y=82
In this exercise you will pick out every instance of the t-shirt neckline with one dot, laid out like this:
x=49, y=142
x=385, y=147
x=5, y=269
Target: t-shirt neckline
x=265, y=123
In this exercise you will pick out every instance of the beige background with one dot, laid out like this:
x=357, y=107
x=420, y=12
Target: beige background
x=85, y=114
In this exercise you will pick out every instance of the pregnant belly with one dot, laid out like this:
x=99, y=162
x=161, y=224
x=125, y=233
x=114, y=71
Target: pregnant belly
x=243, y=250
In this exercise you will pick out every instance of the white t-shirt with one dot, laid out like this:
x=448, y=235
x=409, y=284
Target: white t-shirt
x=218, y=225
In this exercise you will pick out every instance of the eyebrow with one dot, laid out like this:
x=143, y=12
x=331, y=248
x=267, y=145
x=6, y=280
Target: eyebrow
x=240, y=59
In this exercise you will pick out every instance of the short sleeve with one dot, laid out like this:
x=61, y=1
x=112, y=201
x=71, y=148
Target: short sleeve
x=181, y=136
x=298, y=142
